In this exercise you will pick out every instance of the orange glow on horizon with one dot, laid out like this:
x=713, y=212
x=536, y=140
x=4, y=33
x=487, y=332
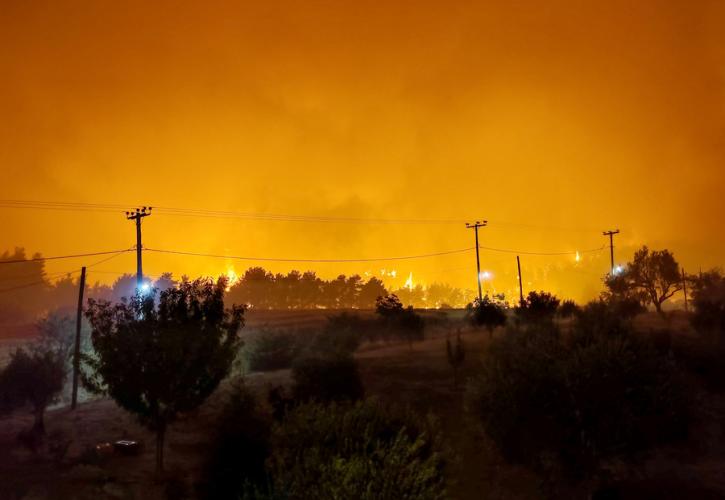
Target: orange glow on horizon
x=509, y=111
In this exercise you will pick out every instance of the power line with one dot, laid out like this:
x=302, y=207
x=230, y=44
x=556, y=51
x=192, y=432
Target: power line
x=281, y=259
x=61, y=273
x=39, y=259
x=543, y=254
x=261, y=216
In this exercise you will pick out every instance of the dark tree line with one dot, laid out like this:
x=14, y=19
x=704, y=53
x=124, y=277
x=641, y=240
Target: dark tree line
x=295, y=290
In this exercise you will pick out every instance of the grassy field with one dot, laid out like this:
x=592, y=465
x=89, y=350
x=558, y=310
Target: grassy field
x=419, y=377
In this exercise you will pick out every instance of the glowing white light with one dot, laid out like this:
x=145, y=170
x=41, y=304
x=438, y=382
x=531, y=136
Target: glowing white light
x=485, y=275
x=618, y=270
x=409, y=282
x=578, y=257
x=145, y=288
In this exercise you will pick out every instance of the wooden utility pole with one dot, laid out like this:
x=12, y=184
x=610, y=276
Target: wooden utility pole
x=475, y=227
x=139, y=214
x=684, y=286
x=77, y=346
x=521, y=287
x=611, y=247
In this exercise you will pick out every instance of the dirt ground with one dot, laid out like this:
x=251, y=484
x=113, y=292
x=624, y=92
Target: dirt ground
x=419, y=377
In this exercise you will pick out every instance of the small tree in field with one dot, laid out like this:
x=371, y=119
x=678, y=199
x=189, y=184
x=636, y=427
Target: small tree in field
x=398, y=321
x=161, y=358
x=456, y=355
x=33, y=377
x=388, y=306
x=487, y=313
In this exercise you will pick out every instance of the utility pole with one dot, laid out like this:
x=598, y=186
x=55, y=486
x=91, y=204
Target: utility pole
x=475, y=227
x=521, y=287
x=139, y=214
x=684, y=286
x=77, y=347
x=611, y=247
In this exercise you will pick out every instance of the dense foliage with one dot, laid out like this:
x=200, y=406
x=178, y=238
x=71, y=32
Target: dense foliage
x=537, y=307
x=364, y=451
x=550, y=401
x=160, y=358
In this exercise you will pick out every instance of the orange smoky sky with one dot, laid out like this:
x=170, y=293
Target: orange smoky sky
x=553, y=120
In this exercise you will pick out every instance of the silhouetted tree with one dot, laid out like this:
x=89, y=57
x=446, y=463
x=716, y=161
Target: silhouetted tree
x=370, y=292
x=124, y=287
x=388, y=306
x=165, y=281
x=487, y=313
x=537, y=307
x=310, y=290
x=396, y=320
x=159, y=360
x=32, y=377
x=652, y=276
x=412, y=296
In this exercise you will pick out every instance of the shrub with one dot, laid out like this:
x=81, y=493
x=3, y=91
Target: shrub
x=395, y=321
x=331, y=377
x=343, y=333
x=568, y=308
x=239, y=450
x=364, y=451
x=32, y=377
x=537, y=307
x=605, y=393
x=272, y=350
x=487, y=313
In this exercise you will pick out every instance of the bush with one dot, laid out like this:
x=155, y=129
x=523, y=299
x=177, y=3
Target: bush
x=548, y=401
x=537, y=307
x=343, y=333
x=487, y=313
x=272, y=350
x=332, y=377
x=395, y=321
x=362, y=451
x=568, y=308
x=240, y=448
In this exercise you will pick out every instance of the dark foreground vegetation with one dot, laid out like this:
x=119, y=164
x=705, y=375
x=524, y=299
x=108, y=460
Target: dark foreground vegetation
x=546, y=399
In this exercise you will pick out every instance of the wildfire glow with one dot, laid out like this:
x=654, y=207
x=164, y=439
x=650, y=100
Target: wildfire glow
x=578, y=257
x=232, y=276
x=409, y=282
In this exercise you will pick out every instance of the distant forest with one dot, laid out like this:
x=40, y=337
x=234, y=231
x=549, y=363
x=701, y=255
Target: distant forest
x=27, y=291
